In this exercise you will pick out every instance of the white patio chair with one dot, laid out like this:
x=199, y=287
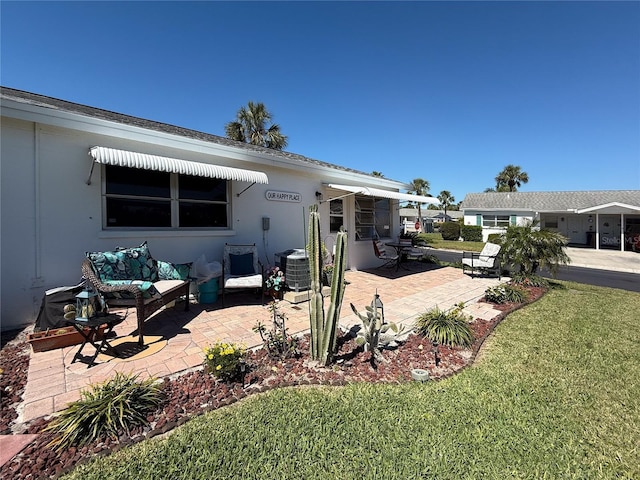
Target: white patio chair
x=241, y=269
x=488, y=260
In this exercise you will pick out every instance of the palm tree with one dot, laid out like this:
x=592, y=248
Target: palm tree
x=377, y=174
x=446, y=200
x=251, y=127
x=511, y=176
x=529, y=248
x=419, y=186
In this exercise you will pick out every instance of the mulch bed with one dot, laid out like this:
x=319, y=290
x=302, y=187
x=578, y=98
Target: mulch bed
x=198, y=392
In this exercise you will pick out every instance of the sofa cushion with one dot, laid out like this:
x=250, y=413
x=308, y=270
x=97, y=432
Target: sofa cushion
x=148, y=289
x=241, y=264
x=173, y=271
x=489, y=252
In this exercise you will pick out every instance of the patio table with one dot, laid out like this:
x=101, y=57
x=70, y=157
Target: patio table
x=91, y=336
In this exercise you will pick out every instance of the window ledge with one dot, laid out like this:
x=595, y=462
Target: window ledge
x=136, y=234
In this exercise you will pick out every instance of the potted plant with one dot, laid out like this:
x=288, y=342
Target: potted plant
x=274, y=283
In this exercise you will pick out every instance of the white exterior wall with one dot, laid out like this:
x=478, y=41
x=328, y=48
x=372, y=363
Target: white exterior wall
x=51, y=217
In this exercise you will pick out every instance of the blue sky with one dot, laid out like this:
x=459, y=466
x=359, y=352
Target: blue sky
x=447, y=91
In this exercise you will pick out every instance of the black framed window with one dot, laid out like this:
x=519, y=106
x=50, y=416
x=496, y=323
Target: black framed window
x=150, y=199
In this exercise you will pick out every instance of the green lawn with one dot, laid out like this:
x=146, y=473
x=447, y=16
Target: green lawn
x=435, y=240
x=555, y=394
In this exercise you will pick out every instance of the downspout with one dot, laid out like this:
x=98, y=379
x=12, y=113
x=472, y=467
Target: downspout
x=597, y=231
x=622, y=239
x=37, y=254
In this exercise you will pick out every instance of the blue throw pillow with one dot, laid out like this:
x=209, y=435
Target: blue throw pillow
x=241, y=264
x=110, y=265
x=140, y=264
x=173, y=271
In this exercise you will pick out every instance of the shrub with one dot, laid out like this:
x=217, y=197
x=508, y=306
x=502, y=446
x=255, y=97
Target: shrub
x=223, y=360
x=278, y=343
x=531, y=280
x=446, y=328
x=494, y=238
x=107, y=408
x=422, y=239
x=505, y=293
x=471, y=233
x=409, y=235
x=450, y=230
x=528, y=248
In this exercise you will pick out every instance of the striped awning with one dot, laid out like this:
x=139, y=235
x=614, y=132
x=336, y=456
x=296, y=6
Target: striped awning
x=124, y=158
x=377, y=192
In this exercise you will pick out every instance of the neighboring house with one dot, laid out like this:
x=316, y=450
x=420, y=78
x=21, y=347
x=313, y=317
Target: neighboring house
x=599, y=219
x=409, y=216
x=78, y=179
x=450, y=216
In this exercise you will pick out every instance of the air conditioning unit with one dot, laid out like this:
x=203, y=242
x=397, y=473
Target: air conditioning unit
x=295, y=265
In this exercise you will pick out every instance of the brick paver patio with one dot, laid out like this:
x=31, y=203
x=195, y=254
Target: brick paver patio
x=53, y=380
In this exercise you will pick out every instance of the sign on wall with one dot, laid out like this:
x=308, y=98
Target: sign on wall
x=277, y=196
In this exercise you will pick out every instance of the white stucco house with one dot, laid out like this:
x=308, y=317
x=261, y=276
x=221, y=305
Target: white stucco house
x=600, y=219
x=76, y=179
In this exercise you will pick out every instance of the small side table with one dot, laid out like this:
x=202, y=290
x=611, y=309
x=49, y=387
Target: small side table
x=101, y=346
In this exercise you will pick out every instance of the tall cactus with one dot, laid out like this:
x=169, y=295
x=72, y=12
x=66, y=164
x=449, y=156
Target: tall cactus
x=324, y=331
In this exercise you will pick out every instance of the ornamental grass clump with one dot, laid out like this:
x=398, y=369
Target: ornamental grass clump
x=529, y=280
x=450, y=328
x=223, y=360
x=107, y=408
x=505, y=293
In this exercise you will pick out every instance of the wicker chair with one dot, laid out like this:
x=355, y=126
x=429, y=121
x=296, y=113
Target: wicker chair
x=168, y=291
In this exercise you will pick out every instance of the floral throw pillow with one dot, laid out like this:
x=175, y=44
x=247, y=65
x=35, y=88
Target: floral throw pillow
x=173, y=271
x=140, y=264
x=110, y=265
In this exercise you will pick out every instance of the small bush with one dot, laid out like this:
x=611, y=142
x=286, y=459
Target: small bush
x=505, y=293
x=532, y=280
x=450, y=230
x=222, y=360
x=471, y=233
x=107, y=408
x=494, y=238
x=446, y=328
x=277, y=341
x=422, y=240
x=409, y=235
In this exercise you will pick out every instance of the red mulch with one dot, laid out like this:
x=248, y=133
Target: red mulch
x=197, y=392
